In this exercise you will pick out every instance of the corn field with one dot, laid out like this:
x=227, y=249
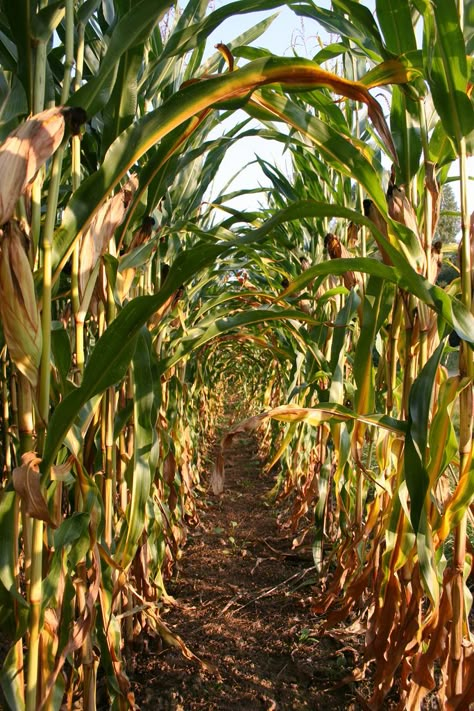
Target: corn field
x=133, y=306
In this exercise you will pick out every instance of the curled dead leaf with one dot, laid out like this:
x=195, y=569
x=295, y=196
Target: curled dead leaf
x=26, y=482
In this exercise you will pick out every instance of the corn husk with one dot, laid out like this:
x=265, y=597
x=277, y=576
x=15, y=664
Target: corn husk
x=95, y=240
x=19, y=311
x=23, y=153
x=143, y=234
x=373, y=213
x=400, y=208
x=337, y=250
x=432, y=186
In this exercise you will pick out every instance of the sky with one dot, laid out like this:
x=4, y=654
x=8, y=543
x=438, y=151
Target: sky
x=287, y=34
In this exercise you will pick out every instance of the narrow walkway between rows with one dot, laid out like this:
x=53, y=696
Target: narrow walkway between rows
x=243, y=598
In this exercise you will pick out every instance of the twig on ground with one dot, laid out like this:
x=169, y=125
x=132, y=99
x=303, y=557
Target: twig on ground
x=270, y=591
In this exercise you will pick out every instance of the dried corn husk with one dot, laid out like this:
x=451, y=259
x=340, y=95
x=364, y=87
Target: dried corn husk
x=337, y=250
x=19, y=311
x=95, y=241
x=374, y=214
x=143, y=234
x=23, y=153
x=400, y=208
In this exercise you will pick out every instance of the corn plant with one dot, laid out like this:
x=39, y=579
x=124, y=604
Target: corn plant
x=399, y=473
x=105, y=159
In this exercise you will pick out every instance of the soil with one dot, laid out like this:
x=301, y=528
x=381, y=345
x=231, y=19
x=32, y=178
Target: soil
x=243, y=607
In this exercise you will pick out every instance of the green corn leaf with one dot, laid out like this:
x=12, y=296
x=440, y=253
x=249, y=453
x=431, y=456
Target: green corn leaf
x=52, y=582
x=363, y=364
x=190, y=101
x=143, y=399
x=416, y=441
x=362, y=18
x=399, y=535
x=441, y=148
x=87, y=9
x=121, y=109
x=446, y=68
x=61, y=350
x=238, y=46
x=338, y=349
x=46, y=20
x=129, y=31
x=18, y=15
x=406, y=134
x=190, y=36
x=395, y=20
x=330, y=52
x=15, y=611
x=8, y=515
x=426, y=557
x=319, y=512
x=442, y=437
x=459, y=503
x=363, y=30
x=401, y=273
x=222, y=325
x=11, y=681
x=73, y=535
x=395, y=71
x=347, y=155
x=114, y=364
x=289, y=435
x=113, y=352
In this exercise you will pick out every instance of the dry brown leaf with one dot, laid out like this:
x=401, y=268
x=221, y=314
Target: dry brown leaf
x=218, y=473
x=169, y=468
x=216, y=480
x=80, y=628
x=464, y=700
x=26, y=482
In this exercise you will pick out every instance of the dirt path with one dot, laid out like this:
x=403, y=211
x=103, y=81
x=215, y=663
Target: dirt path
x=243, y=598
